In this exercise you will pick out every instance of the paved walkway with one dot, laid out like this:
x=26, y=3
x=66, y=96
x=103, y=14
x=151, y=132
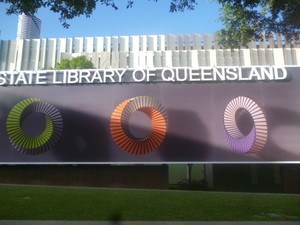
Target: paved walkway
x=36, y=222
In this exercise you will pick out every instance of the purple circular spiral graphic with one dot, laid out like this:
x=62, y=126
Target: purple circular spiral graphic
x=256, y=139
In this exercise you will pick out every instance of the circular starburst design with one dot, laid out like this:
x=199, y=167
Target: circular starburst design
x=34, y=144
x=256, y=139
x=119, y=126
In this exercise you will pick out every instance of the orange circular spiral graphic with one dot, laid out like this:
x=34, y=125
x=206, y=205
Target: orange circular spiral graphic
x=120, y=129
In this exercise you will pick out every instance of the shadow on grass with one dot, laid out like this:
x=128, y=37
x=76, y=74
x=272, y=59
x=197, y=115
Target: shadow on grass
x=115, y=218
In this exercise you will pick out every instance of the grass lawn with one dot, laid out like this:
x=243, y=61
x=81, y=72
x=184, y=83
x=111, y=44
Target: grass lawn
x=65, y=203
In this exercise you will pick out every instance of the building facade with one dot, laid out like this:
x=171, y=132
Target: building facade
x=152, y=51
x=29, y=27
x=146, y=51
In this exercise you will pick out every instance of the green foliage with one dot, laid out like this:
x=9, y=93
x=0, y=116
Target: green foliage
x=66, y=9
x=245, y=20
x=71, y=9
x=182, y=5
x=64, y=64
x=79, y=62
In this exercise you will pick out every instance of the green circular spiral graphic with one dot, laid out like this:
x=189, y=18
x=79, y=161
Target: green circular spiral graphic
x=33, y=144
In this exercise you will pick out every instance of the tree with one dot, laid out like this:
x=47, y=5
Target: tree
x=79, y=62
x=70, y=9
x=254, y=19
x=243, y=19
x=67, y=9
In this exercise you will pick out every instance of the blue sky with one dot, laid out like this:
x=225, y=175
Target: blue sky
x=145, y=18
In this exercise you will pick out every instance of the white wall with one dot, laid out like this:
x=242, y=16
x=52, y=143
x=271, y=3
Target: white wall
x=170, y=50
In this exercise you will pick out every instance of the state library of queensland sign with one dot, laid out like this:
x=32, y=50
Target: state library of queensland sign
x=205, y=114
x=148, y=102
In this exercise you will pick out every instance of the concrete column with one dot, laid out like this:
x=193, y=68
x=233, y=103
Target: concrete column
x=211, y=57
x=183, y=58
x=180, y=42
x=78, y=45
x=107, y=44
x=171, y=42
x=167, y=59
x=254, y=57
x=220, y=57
x=202, y=58
x=124, y=43
x=161, y=43
x=115, y=43
x=89, y=44
x=245, y=59
x=192, y=58
x=134, y=44
x=152, y=42
x=228, y=61
x=157, y=59
x=296, y=56
x=143, y=43
x=196, y=42
x=278, y=56
x=187, y=42
x=262, y=57
x=99, y=44
x=105, y=60
x=175, y=59
x=288, y=59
